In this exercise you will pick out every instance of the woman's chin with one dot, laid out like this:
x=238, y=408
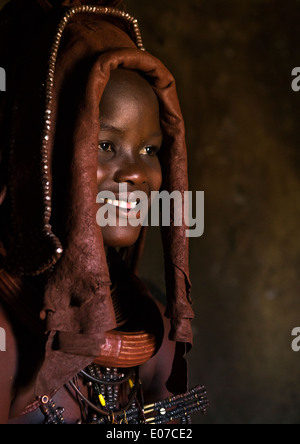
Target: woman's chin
x=120, y=236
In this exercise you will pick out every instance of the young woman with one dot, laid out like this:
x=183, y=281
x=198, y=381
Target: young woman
x=86, y=342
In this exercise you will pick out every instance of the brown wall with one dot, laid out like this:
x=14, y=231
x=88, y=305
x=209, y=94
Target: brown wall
x=233, y=61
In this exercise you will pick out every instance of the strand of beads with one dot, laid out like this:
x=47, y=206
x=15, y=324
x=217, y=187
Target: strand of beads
x=113, y=393
x=53, y=414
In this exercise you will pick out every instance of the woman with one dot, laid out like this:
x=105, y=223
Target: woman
x=98, y=113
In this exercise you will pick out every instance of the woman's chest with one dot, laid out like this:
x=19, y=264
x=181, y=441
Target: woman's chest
x=84, y=400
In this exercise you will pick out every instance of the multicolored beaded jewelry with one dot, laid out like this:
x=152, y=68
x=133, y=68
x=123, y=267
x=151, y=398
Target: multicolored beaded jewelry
x=116, y=397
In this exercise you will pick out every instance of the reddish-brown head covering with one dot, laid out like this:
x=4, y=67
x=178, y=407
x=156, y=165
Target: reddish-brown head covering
x=49, y=146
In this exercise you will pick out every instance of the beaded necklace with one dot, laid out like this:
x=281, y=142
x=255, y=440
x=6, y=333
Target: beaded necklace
x=114, y=397
x=103, y=405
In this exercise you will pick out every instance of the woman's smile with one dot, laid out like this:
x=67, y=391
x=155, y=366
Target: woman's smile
x=123, y=204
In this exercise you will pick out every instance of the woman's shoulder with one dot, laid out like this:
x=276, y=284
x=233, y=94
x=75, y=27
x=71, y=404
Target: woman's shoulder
x=167, y=350
x=155, y=373
x=8, y=364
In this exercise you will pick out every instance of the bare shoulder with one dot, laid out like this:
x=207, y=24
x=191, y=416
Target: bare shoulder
x=156, y=372
x=166, y=353
x=8, y=365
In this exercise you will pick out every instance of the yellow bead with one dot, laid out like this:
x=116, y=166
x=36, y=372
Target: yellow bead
x=102, y=400
x=130, y=383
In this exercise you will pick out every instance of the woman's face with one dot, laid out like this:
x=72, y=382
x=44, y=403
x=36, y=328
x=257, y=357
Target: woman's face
x=129, y=140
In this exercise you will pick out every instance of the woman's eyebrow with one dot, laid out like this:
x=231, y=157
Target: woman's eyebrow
x=109, y=127
x=157, y=134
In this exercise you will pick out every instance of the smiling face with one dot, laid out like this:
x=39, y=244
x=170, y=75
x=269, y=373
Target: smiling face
x=129, y=140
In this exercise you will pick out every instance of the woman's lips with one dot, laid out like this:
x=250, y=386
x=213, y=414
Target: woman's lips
x=124, y=204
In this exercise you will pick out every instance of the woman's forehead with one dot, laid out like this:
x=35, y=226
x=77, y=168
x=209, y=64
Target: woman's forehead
x=129, y=84
x=128, y=96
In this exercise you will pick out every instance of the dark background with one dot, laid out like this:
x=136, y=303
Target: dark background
x=233, y=61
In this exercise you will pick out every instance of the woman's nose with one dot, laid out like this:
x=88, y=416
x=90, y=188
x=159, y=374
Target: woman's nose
x=131, y=171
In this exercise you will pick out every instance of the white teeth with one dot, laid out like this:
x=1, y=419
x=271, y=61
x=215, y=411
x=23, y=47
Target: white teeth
x=119, y=203
x=132, y=204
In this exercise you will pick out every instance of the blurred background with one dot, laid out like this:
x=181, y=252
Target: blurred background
x=233, y=61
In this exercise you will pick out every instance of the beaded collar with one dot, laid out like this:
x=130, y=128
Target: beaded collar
x=115, y=396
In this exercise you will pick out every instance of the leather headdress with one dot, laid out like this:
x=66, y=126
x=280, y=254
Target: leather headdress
x=49, y=137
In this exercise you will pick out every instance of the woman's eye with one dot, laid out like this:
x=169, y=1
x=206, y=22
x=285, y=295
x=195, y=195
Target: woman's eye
x=106, y=147
x=149, y=151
